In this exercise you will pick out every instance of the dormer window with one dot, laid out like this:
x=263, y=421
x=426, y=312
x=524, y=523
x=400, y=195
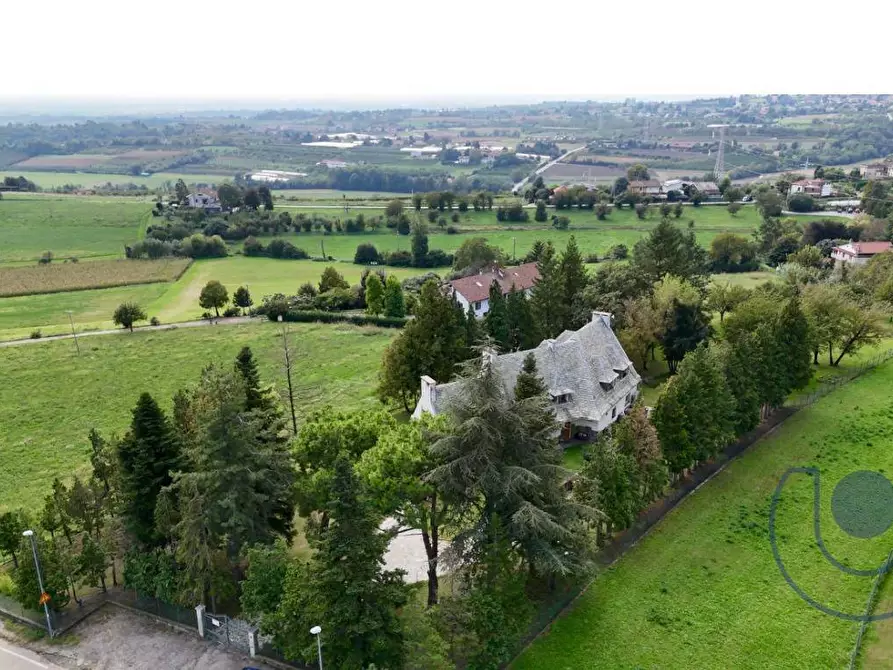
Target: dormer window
x=561, y=398
x=607, y=386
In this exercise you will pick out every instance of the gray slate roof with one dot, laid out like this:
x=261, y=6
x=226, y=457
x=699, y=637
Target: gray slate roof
x=581, y=363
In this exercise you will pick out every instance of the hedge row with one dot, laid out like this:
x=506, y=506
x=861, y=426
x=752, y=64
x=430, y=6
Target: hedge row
x=305, y=316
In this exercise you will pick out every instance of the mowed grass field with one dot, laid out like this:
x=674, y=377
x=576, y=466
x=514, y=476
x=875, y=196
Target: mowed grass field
x=58, y=277
x=51, y=397
x=703, y=591
x=69, y=226
x=92, y=179
x=175, y=301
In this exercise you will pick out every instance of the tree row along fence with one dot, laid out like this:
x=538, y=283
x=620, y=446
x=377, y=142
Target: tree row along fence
x=564, y=594
x=879, y=581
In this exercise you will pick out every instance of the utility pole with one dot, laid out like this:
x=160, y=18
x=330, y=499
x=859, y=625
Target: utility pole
x=74, y=334
x=44, y=598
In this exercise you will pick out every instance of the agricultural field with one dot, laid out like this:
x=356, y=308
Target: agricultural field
x=59, y=277
x=48, y=180
x=702, y=589
x=45, y=429
x=69, y=226
x=176, y=301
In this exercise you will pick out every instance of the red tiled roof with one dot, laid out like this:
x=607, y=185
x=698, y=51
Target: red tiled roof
x=864, y=248
x=477, y=287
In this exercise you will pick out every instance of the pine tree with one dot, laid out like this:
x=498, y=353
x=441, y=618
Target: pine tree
x=495, y=321
x=394, y=304
x=636, y=436
x=545, y=297
x=792, y=337
x=149, y=455
x=349, y=594
x=508, y=473
x=574, y=279
x=521, y=327
x=247, y=368
x=419, y=246
x=473, y=332
x=688, y=326
x=529, y=384
x=613, y=485
x=374, y=294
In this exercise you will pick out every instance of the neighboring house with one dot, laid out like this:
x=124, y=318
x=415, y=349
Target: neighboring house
x=475, y=289
x=428, y=152
x=876, y=170
x=204, y=201
x=706, y=188
x=672, y=185
x=332, y=164
x=649, y=187
x=859, y=253
x=588, y=375
x=816, y=187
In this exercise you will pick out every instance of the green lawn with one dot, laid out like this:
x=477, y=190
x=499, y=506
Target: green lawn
x=69, y=226
x=50, y=398
x=703, y=591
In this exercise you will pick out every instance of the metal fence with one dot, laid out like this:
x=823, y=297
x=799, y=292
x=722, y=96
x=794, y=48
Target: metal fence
x=183, y=616
x=869, y=610
x=830, y=385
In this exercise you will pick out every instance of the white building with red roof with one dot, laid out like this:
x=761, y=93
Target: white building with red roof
x=474, y=290
x=859, y=253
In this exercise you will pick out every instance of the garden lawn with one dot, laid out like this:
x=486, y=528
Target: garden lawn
x=69, y=226
x=51, y=397
x=702, y=589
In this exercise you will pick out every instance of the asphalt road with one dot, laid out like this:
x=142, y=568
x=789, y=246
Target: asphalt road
x=520, y=185
x=16, y=658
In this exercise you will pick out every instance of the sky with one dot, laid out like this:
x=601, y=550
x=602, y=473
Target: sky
x=197, y=53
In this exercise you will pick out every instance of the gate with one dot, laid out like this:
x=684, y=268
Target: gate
x=228, y=632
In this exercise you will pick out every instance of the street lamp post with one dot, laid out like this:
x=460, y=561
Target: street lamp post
x=46, y=608
x=74, y=334
x=315, y=631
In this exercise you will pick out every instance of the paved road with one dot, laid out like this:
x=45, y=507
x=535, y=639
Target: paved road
x=123, y=331
x=16, y=658
x=517, y=187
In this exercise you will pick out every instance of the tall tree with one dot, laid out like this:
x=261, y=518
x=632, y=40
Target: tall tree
x=330, y=279
x=500, y=462
x=496, y=319
x=611, y=485
x=247, y=368
x=431, y=344
x=242, y=298
x=12, y=524
x=667, y=250
x=529, y=384
x=181, y=191
x=374, y=294
x=545, y=297
x=149, y=454
x=419, y=246
x=687, y=327
x=644, y=325
x=519, y=322
x=393, y=472
x=127, y=314
x=635, y=435
x=574, y=279
x=344, y=589
x=394, y=302
x=693, y=417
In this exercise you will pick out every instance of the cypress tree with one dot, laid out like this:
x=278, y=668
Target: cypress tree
x=247, y=368
x=374, y=294
x=521, y=327
x=529, y=384
x=394, y=304
x=496, y=319
x=148, y=455
x=545, y=297
x=792, y=337
x=472, y=328
x=573, y=280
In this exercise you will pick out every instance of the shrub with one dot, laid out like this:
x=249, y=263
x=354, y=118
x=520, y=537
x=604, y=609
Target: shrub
x=801, y=203
x=403, y=227
x=36, y=334
x=397, y=259
x=7, y=587
x=310, y=316
x=154, y=321
x=46, y=258
x=253, y=247
x=438, y=258
x=284, y=249
x=455, y=217
x=452, y=230
x=592, y=258
x=232, y=311
x=334, y=300
x=561, y=222
x=365, y=254
x=619, y=252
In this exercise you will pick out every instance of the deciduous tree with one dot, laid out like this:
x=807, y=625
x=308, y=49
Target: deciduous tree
x=214, y=295
x=127, y=314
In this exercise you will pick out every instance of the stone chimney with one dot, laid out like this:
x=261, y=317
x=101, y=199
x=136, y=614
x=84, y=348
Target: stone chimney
x=605, y=317
x=429, y=394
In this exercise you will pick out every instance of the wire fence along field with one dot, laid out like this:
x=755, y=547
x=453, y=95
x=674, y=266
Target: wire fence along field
x=67, y=276
x=564, y=595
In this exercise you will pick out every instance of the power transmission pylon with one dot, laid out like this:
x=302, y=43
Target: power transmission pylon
x=719, y=170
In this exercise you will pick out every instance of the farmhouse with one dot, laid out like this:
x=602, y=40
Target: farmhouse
x=588, y=375
x=817, y=187
x=706, y=188
x=649, y=187
x=859, y=253
x=876, y=170
x=205, y=201
x=421, y=152
x=475, y=289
